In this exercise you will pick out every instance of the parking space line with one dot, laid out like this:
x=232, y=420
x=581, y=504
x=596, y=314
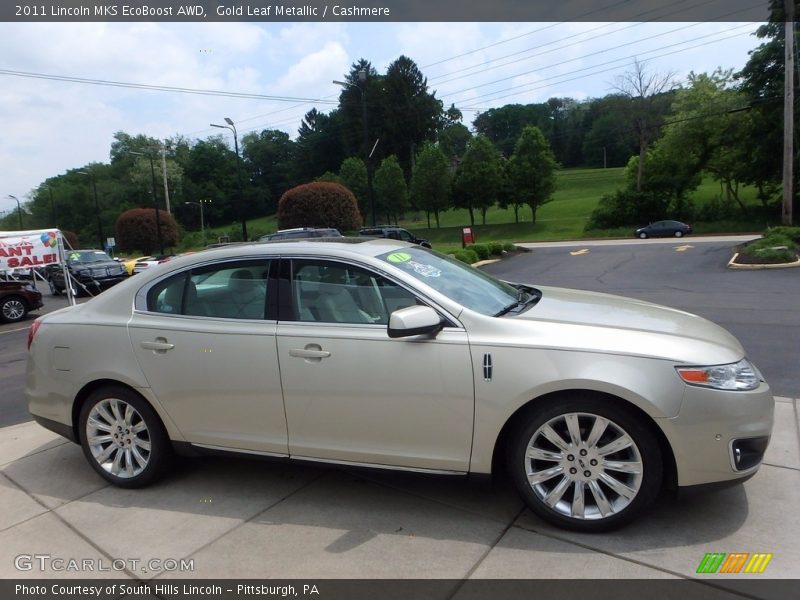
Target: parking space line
x=13, y=330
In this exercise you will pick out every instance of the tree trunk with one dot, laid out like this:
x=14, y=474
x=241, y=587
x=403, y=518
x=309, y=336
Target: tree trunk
x=533, y=212
x=483, y=215
x=516, y=213
x=428, y=214
x=436, y=215
x=471, y=217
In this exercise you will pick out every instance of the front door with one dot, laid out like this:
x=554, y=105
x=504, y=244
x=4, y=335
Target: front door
x=354, y=394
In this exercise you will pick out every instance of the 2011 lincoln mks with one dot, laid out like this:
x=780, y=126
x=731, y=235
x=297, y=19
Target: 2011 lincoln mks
x=384, y=354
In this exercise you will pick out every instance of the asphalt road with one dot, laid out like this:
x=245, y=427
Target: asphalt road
x=758, y=307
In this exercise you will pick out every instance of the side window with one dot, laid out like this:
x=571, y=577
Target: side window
x=327, y=292
x=232, y=290
x=404, y=235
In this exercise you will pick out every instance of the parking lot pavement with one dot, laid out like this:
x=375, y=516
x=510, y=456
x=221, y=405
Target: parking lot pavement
x=251, y=519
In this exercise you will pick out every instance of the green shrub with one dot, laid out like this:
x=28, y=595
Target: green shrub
x=509, y=247
x=775, y=247
x=466, y=256
x=319, y=204
x=495, y=248
x=627, y=207
x=793, y=233
x=482, y=250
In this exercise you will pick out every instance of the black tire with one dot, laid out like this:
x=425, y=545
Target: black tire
x=678, y=234
x=54, y=291
x=13, y=309
x=584, y=468
x=132, y=473
x=643, y=236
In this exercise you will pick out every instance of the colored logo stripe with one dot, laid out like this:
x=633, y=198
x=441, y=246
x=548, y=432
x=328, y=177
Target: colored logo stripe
x=720, y=562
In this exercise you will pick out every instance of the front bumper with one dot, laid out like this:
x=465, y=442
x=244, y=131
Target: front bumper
x=711, y=426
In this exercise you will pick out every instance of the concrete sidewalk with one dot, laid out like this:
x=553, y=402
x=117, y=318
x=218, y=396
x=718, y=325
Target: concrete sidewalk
x=252, y=519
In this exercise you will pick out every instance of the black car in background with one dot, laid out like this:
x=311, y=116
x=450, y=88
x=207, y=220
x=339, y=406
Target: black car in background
x=92, y=272
x=663, y=229
x=394, y=233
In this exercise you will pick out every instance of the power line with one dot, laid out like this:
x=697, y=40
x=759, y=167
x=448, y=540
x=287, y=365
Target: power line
x=160, y=88
x=536, y=87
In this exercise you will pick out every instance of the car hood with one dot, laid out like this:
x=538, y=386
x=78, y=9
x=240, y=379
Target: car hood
x=604, y=322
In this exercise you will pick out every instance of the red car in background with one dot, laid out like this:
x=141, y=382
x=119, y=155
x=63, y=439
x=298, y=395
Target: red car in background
x=17, y=299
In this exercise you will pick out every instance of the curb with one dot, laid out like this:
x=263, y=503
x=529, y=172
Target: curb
x=732, y=264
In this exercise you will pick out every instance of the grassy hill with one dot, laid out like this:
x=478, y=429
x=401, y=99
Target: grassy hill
x=577, y=194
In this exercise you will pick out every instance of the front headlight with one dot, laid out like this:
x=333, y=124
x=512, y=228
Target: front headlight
x=740, y=376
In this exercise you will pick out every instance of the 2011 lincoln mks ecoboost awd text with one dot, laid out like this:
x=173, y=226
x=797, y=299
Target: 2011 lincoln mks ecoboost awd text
x=384, y=354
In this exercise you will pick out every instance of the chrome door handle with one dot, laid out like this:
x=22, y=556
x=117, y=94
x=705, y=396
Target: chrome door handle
x=302, y=353
x=159, y=345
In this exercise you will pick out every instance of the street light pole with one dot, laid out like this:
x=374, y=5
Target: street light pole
x=230, y=125
x=155, y=201
x=19, y=209
x=96, y=207
x=362, y=77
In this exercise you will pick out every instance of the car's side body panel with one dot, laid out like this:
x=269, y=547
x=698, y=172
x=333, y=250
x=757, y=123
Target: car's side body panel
x=357, y=404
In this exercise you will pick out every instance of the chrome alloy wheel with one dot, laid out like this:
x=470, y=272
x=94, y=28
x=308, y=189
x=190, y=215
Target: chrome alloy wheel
x=118, y=438
x=583, y=466
x=13, y=309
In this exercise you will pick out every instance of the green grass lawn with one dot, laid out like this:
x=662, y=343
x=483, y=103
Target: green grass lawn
x=577, y=193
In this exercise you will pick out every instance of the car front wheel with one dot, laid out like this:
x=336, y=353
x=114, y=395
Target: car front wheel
x=678, y=234
x=13, y=309
x=123, y=438
x=643, y=236
x=585, y=464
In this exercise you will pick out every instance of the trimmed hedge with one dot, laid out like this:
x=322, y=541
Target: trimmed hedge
x=481, y=250
x=495, y=248
x=319, y=204
x=509, y=247
x=136, y=230
x=466, y=256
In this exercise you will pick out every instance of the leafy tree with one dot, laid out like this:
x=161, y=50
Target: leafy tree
x=391, y=194
x=644, y=88
x=431, y=182
x=353, y=174
x=504, y=125
x=762, y=83
x=413, y=111
x=477, y=180
x=454, y=139
x=136, y=230
x=330, y=177
x=318, y=148
x=267, y=159
x=319, y=204
x=532, y=170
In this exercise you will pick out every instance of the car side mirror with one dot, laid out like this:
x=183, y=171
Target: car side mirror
x=414, y=320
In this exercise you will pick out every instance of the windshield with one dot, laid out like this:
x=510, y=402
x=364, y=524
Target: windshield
x=88, y=256
x=469, y=287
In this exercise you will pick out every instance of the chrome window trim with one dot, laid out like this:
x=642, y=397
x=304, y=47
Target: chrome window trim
x=140, y=299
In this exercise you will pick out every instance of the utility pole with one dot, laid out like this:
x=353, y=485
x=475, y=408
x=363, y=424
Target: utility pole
x=164, y=169
x=788, y=112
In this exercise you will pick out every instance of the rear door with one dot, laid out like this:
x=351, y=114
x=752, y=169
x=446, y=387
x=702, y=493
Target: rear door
x=207, y=348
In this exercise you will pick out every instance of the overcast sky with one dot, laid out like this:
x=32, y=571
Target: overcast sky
x=48, y=127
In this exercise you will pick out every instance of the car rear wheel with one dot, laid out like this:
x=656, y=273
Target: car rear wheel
x=585, y=463
x=123, y=438
x=13, y=309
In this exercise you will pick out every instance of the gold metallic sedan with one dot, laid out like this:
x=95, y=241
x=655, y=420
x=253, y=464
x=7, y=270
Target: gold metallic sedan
x=388, y=355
